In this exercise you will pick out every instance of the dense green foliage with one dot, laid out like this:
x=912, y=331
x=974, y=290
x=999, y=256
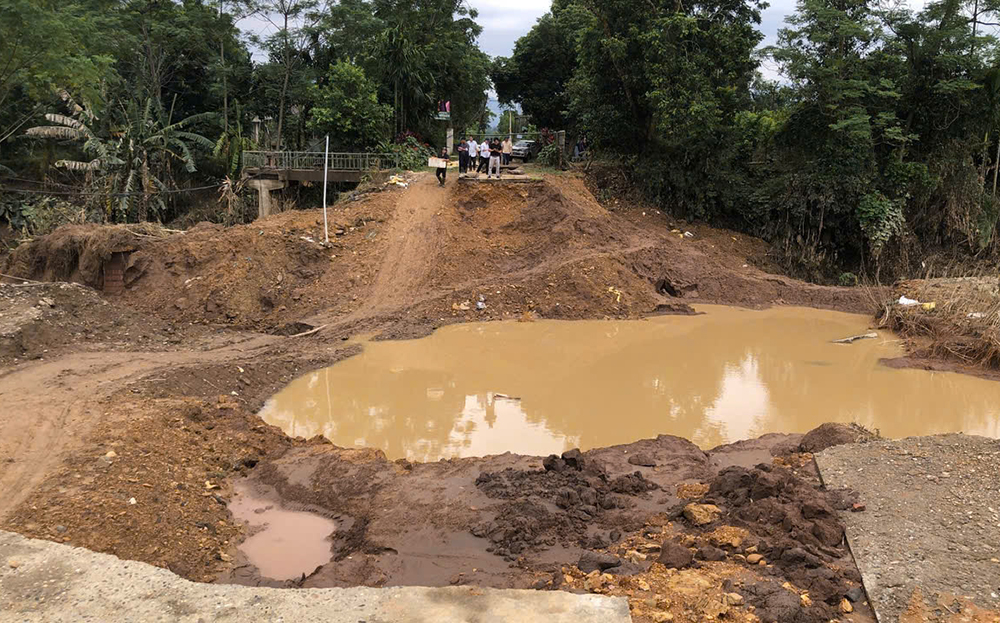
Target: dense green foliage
x=877, y=143
x=131, y=102
x=346, y=108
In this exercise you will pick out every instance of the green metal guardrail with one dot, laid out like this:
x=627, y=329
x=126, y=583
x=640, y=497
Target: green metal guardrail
x=311, y=160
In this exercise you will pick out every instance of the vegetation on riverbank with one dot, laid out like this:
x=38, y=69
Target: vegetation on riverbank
x=871, y=140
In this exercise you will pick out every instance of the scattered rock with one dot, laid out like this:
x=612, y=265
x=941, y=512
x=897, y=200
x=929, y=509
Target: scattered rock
x=856, y=594
x=711, y=553
x=111, y=454
x=734, y=599
x=597, y=561
x=674, y=556
x=662, y=617
x=701, y=514
x=574, y=459
x=642, y=459
x=14, y=563
x=627, y=568
x=649, y=548
x=553, y=463
x=729, y=536
x=857, y=508
x=691, y=490
x=845, y=606
x=595, y=582
x=754, y=558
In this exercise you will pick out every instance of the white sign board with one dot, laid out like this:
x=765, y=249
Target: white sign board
x=437, y=163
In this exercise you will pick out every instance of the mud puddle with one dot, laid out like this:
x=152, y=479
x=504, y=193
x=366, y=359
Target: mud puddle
x=543, y=387
x=283, y=544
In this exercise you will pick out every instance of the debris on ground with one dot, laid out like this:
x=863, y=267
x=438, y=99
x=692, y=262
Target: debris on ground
x=855, y=338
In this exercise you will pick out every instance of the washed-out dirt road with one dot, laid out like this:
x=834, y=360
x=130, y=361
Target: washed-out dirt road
x=125, y=419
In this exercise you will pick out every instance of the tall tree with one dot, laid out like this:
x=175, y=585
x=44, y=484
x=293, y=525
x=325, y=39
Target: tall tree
x=346, y=108
x=46, y=46
x=288, y=46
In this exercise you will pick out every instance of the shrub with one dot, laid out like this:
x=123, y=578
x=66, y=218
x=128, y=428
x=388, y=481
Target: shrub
x=549, y=155
x=848, y=279
x=410, y=153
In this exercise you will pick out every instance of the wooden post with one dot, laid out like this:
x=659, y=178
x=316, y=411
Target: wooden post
x=326, y=168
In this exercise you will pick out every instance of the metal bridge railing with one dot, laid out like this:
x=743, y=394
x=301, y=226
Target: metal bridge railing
x=311, y=160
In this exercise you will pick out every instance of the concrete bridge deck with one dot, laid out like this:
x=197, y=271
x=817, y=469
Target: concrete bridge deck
x=272, y=170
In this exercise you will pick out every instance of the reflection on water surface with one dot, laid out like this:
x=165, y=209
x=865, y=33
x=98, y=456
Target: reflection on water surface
x=542, y=387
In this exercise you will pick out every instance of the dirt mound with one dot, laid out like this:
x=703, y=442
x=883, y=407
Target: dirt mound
x=45, y=319
x=833, y=434
x=77, y=253
x=170, y=470
x=589, y=507
x=794, y=526
x=264, y=275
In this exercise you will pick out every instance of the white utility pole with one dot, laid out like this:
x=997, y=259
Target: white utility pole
x=326, y=167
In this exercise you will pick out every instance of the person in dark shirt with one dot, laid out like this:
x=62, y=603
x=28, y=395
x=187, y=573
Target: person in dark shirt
x=442, y=171
x=463, y=156
x=496, y=149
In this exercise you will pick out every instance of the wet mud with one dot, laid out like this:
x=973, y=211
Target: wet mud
x=281, y=544
x=630, y=515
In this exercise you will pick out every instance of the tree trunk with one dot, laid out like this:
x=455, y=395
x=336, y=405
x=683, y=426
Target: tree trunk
x=225, y=82
x=281, y=107
x=996, y=165
x=284, y=85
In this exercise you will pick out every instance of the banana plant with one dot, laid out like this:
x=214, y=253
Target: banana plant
x=131, y=161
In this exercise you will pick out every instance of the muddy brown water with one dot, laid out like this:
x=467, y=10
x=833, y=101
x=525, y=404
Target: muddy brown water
x=283, y=544
x=543, y=387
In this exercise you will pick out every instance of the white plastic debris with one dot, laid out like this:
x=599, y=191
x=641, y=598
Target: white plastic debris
x=905, y=302
x=131, y=501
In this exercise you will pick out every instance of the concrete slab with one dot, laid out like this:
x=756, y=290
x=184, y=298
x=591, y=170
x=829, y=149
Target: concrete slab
x=44, y=581
x=930, y=532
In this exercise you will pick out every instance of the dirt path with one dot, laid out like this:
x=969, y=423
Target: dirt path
x=40, y=427
x=414, y=238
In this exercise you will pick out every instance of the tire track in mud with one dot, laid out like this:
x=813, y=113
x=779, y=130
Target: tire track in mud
x=414, y=238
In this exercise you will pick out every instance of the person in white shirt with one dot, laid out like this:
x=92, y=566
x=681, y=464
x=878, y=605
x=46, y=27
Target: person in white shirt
x=484, y=156
x=473, y=152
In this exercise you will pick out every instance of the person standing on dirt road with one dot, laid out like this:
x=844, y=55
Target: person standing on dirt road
x=473, y=147
x=508, y=150
x=442, y=171
x=463, y=156
x=484, y=155
x=496, y=149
